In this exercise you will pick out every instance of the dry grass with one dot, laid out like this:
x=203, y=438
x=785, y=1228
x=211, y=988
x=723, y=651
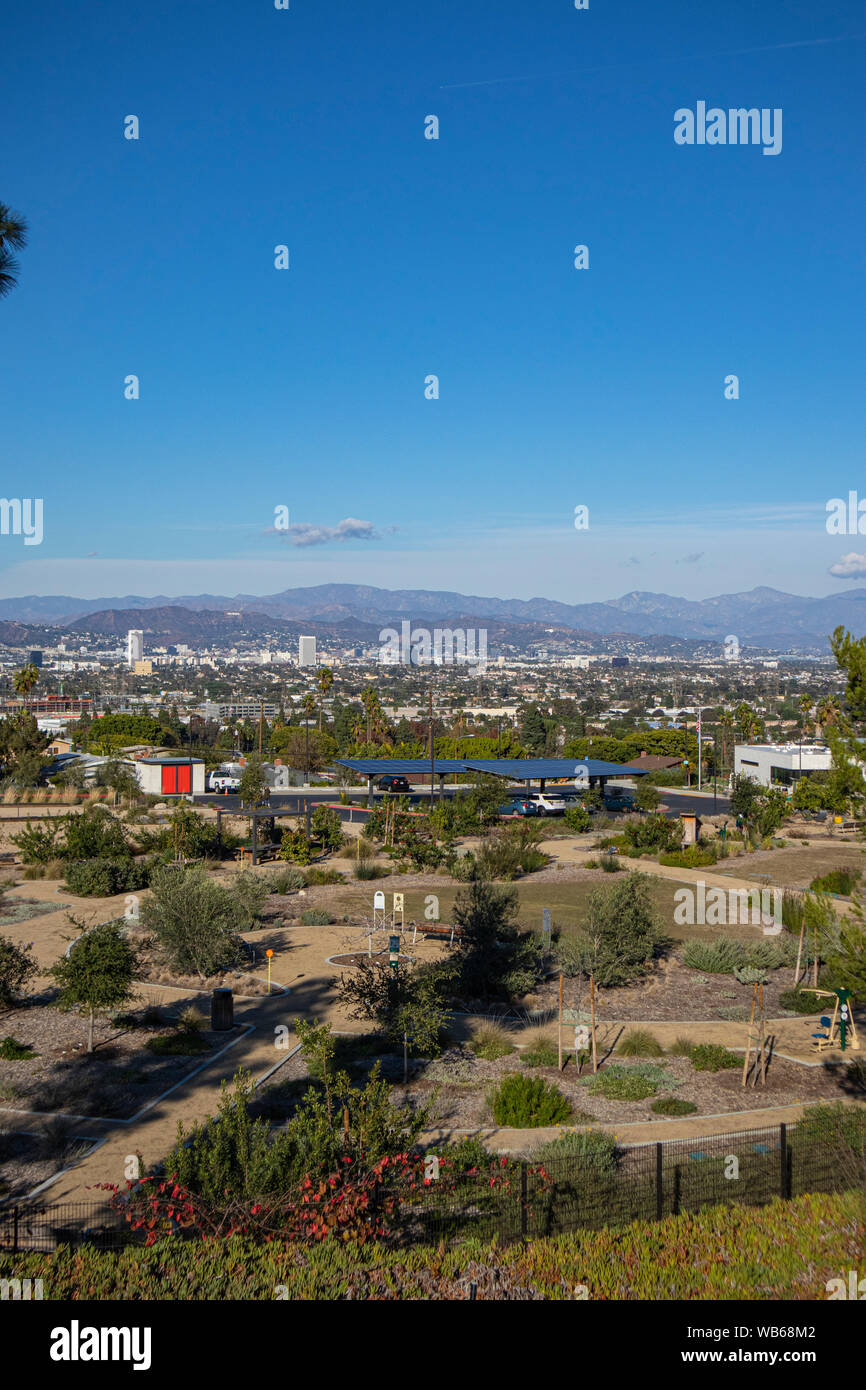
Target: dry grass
x=491, y=1040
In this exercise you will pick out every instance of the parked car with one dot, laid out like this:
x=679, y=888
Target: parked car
x=519, y=806
x=616, y=799
x=397, y=785
x=550, y=803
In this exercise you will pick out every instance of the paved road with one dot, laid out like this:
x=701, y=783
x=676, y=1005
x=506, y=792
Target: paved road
x=677, y=800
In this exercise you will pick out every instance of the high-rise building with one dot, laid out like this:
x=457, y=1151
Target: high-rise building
x=35, y=659
x=306, y=651
x=134, y=646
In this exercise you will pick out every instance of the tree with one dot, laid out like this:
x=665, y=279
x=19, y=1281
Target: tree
x=646, y=797
x=326, y=680
x=254, y=789
x=17, y=966
x=533, y=730
x=745, y=796
x=622, y=932
x=405, y=1004
x=22, y=749
x=13, y=237
x=492, y=957
x=97, y=974
x=308, y=705
x=194, y=920
x=25, y=680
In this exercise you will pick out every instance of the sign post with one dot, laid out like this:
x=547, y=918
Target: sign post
x=269, y=953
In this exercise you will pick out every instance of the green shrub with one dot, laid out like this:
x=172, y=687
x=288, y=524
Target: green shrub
x=540, y=1054
x=318, y=878
x=590, y=863
x=670, y=1105
x=366, y=871
x=840, y=881
x=11, y=1050
x=316, y=917
x=693, y=857
x=621, y=1086
x=490, y=1041
x=528, y=1102
x=713, y=1057
x=797, y=1002
x=595, y=1147
x=578, y=819
x=681, y=1047
x=287, y=880
x=610, y=864
x=104, y=878
x=639, y=1043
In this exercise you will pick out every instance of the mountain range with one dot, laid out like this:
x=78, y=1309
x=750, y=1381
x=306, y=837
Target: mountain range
x=762, y=617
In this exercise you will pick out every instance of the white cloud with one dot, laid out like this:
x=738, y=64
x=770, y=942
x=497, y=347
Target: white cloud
x=851, y=566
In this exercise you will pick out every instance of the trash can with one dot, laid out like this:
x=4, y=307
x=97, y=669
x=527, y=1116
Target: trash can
x=222, y=1010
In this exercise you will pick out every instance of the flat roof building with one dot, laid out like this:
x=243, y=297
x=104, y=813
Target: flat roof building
x=780, y=764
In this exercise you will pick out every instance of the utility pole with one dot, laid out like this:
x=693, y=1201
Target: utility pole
x=261, y=724
x=700, y=714
x=430, y=736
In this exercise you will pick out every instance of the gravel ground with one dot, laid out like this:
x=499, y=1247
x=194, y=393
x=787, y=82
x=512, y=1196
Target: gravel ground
x=672, y=992
x=116, y=1080
x=464, y=1080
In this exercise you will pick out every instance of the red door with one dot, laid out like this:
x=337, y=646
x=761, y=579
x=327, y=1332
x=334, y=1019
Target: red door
x=169, y=780
x=184, y=778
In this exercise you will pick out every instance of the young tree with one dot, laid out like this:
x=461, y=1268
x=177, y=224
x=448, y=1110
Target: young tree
x=493, y=959
x=404, y=1004
x=646, y=797
x=254, y=789
x=623, y=930
x=97, y=974
x=194, y=920
x=17, y=966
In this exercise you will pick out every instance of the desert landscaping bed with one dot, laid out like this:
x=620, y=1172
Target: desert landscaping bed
x=115, y=1081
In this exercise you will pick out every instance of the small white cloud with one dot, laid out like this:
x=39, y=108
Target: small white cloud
x=851, y=566
x=350, y=529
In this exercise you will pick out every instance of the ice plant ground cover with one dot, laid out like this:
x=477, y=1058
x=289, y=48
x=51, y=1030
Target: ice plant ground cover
x=785, y=1250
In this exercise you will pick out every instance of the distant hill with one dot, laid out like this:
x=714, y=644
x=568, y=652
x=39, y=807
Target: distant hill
x=170, y=624
x=761, y=617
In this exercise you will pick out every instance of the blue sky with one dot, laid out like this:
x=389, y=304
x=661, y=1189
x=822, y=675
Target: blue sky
x=410, y=257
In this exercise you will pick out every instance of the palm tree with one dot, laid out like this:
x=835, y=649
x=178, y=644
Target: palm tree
x=828, y=712
x=326, y=680
x=726, y=728
x=13, y=237
x=370, y=701
x=24, y=680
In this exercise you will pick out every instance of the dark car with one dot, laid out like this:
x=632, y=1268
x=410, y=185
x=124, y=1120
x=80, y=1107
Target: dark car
x=520, y=806
x=398, y=785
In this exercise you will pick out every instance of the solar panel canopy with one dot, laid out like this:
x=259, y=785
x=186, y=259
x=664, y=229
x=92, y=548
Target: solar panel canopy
x=518, y=769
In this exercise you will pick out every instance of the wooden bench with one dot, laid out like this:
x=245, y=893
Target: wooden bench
x=440, y=930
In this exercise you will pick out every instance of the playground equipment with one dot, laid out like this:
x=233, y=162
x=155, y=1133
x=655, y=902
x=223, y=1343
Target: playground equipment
x=839, y=1029
x=382, y=922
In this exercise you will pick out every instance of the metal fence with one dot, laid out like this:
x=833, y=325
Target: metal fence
x=519, y=1199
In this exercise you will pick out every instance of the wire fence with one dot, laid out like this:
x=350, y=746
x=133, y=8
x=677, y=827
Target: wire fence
x=521, y=1199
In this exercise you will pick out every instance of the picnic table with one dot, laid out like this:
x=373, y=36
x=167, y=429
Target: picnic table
x=440, y=930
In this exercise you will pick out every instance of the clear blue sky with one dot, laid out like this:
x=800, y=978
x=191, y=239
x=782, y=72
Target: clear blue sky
x=409, y=257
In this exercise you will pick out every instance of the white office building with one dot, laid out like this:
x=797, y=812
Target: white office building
x=306, y=651
x=134, y=647
x=780, y=764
